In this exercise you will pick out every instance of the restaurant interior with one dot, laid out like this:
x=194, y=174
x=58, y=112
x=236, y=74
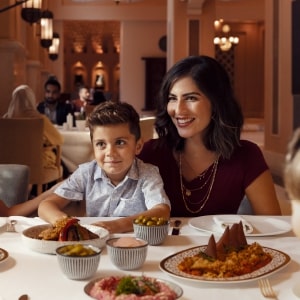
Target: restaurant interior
x=124, y=47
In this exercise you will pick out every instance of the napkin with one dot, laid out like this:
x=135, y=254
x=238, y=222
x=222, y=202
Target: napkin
x=25, y=222
x=224, y=221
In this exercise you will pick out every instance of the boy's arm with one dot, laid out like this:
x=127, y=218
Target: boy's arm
x=126, y=224
x=51, y=209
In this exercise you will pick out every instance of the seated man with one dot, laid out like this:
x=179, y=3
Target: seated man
x=53, y=107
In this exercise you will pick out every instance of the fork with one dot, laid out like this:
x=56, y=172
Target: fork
x=10, y=227
x=266, y=289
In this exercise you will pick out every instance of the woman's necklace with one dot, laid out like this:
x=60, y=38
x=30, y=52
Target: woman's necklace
x=188, y=192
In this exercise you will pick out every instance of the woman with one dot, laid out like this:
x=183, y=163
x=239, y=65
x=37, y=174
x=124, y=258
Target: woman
x=205, y=166
x=23, y=105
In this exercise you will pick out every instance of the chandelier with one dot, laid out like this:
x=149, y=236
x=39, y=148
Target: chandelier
x=223, y=38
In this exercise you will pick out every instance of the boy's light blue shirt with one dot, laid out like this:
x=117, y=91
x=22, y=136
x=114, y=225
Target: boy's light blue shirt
x=141, y=189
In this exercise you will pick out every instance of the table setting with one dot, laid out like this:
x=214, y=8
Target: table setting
x=24, y=270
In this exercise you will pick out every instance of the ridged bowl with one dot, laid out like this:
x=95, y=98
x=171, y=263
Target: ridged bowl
x=127, y=257
x=154, y=234
x=79, y=267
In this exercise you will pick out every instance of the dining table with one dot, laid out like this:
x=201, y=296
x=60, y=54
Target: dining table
x=38, y=275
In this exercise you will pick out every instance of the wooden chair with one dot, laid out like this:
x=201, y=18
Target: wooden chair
x=22, y=143
x=14, y=181
x=147, y=128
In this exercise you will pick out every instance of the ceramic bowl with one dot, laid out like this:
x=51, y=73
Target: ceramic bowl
x=154, y=234
x=127, y=257
x=30, y=239
x=81, y=265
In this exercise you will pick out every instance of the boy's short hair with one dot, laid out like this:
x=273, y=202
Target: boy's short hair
x=113, y=113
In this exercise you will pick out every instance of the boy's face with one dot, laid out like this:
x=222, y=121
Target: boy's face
x=115, y=149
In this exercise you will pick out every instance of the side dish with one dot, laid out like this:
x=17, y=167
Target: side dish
x=131, y=287
x=230, y=256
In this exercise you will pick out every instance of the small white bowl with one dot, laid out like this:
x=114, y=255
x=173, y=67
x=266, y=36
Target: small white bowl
x=127, y=257
x=154, y=234
x=79, y=267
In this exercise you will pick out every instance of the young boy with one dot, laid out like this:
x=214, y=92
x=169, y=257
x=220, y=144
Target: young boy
x=116, y=183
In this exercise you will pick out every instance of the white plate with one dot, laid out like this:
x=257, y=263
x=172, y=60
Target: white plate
x=3, y=255
x=262, y=225
x=170, y=263
x=176, y=288
x=49, y=247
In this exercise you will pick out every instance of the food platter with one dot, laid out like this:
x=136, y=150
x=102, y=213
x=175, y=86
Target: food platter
x=45, y=246
x=262, y=225
x=3, y=255
x=170, y=263
x=173, y=286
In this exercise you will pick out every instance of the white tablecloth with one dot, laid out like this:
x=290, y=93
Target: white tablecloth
x=39, y=276
x=77, y=147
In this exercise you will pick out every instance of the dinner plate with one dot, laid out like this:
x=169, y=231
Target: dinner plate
x=173, y=286
x=29, y=237
x=170, y=266
x=262, y=225
x=3, y=255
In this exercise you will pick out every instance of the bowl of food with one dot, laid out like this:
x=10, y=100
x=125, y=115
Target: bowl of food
x=78, y=261
x=47, y=238
x=152, y=229
x=132, y=287
x=127, y=253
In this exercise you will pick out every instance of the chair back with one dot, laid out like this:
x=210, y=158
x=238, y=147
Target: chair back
x=14, y=181
x=22, y=143
x=147, y=128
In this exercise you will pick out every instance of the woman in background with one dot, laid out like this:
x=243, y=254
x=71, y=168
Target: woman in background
x=23, y=105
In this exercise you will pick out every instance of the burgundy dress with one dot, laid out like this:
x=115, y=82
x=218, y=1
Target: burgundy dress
x=231, y=179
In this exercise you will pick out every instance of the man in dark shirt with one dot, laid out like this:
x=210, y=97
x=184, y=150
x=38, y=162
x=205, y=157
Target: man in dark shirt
x=53, y=107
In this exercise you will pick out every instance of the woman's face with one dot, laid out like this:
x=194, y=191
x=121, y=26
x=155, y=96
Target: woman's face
x=189, y=108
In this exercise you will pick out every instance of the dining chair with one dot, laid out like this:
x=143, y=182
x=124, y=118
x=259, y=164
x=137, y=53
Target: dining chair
x=147, y=128
x=14, y=181
x=22, y=143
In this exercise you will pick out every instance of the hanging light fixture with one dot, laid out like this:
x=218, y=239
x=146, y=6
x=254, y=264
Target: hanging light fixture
x=53, y=49
x=46, y=28
x=31, y=11
x=224, y=40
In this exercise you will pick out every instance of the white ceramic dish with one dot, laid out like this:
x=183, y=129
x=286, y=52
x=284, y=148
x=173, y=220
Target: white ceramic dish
x=49, y=247
x=170, y=263
x=3, y=255
x=176, y=288
x=262, y=225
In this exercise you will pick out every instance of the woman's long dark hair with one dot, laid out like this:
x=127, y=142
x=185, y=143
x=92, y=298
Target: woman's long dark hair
x=223, y=132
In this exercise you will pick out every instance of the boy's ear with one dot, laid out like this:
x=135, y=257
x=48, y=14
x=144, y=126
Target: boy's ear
x=139, y=146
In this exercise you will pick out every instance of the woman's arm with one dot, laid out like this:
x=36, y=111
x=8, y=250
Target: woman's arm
x=262, y=196
x=126, y=224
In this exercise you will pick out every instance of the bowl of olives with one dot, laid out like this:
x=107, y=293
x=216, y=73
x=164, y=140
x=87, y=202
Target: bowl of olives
x=78, y=261
x=154, y=230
